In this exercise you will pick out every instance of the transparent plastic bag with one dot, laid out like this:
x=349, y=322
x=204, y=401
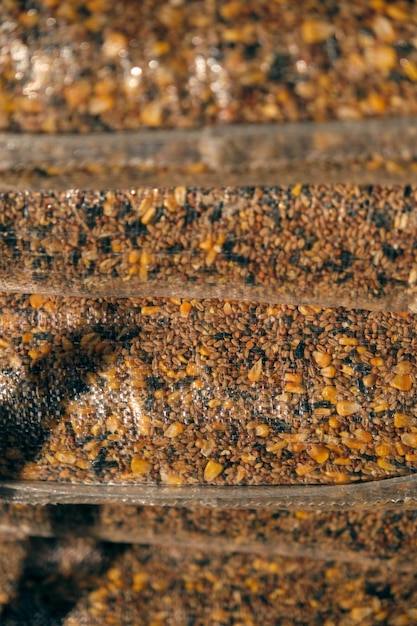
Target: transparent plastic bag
x=172, y=392
x=85, y=581
x=88, y=66
x=362, y=152
x=321, y=245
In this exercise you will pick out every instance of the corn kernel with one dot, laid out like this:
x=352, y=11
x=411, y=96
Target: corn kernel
x=334, y=422
x=171, y=478
x=294, y=388
x=151, y=114
x=315, y=31
x=319, y=453
x=401, y=382
x=328, y=372
x=329, y=393
x=150, y=310
x=212, y=470
x=369, y=380
x=322, y=358
x=295, y=191
x=140, y=466
x=173, y=430
x=383, y=449
x=348, y=341
x=347, y=407
x=293, y=377
x=338, y=477
x=302, y=470
x=340, y=460
x=66, y=457
x=401, y=420
x=377, y=361
x=185, y=309
x=409, y=439
x=140, y=579
x=385, y=465
x=255, y=371
x=37, y=300
x=403, y=367
x=262, y=430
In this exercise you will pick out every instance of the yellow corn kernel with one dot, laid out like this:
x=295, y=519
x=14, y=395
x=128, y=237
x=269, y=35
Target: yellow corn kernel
x=322, y=358
x=340, y=460
x=274, y=447
x=329, y=371
x=150, y=310
x=148, y=216
x=348, y=341
x=334, y=422
x=134, y=256
x=293, y=377
x=294, y=388
x=369, y=380
x=212, y=470
x=140, y=466
x=262, y=430
x=376, y=361
x=171, y=478
x=401, y=420
x=409, y=439
x=37, y=300
x=385, y=465
x=296, y=190
x=27, y=338
x=403, y=367
x=347, y=407
x=302, y=514
x=140, y=579
x=319, y=453
x=255, y=371
x=173, y=430
x=302, y=470
x=185, y=309
x=338, y=477
x=364, y=435
x=68, y=458
x=151, y=114
x=192, y=369
x=383, y=449
x=361, y=350
x=348, y=370
x=329, y=393
x=353, y=444
x=315, y=31
x=402, y=382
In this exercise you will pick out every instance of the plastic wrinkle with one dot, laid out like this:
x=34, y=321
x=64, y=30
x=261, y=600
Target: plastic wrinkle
x=388, y=493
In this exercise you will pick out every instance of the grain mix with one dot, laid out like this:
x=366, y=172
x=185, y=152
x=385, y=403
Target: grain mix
x=81, y=66
x=204, y=391
x=326, y=245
